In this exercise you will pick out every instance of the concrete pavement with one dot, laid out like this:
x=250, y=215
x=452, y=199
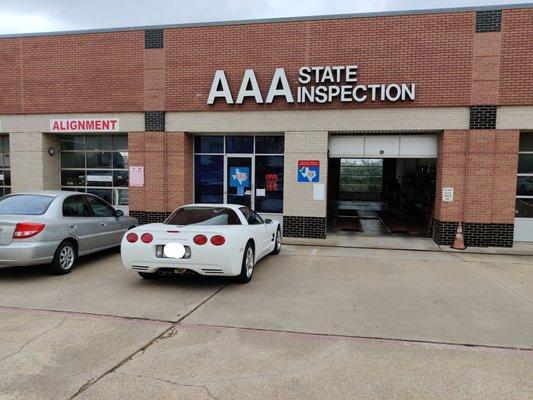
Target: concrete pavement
x=315, y=323
x=228, y=363
x=101, y=285
x=49, y=355
x=442, y=301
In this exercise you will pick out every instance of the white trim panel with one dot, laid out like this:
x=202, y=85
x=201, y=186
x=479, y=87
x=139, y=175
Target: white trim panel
x=388, y=146
x=523, y=229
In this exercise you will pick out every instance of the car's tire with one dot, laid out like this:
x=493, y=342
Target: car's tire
x=65, y=258
x=248, y=264
x=277, y=245
x=147, y=275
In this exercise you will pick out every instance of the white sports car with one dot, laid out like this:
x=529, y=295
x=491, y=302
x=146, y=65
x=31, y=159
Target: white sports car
x=210, y=239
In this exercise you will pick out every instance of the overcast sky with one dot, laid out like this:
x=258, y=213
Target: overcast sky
x=18, y=16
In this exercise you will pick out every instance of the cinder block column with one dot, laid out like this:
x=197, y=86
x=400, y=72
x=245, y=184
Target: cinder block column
x=481, y=167
x=303, y=216
x=32, y=168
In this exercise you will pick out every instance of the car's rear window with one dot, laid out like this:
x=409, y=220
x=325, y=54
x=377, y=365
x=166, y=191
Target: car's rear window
x=25, y=204
x=203, y=216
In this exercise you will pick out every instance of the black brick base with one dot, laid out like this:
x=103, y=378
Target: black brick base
x=475, y=235
x=304, y=227
x=148, y=217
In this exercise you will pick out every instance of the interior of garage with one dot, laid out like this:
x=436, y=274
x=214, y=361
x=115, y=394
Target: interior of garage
x=378, y=196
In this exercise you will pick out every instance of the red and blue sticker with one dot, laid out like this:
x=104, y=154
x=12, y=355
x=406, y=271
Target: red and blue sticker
x=308, y=171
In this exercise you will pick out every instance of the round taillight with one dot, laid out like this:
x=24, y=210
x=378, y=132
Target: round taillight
x=200, y=239
x=132, y=237
x=147, y=238
x=218, y=240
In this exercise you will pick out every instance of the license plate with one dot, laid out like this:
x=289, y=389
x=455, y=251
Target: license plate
x=174, y=250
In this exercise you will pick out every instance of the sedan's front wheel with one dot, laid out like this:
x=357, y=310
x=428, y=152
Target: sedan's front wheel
x=248, y=263
x=64, y=258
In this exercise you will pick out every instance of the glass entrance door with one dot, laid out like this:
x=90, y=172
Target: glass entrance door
x=239, y=180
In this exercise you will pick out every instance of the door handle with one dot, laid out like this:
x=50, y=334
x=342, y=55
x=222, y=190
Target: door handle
x=72, y=226
x=103, y=224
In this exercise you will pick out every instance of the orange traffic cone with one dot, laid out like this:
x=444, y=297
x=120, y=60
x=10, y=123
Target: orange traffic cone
x=459, y=242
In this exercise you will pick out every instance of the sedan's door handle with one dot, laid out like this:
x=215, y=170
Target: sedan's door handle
x=103, y=224
x=72, y=226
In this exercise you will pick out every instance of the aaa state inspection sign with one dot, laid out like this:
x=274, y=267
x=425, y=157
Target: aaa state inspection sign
x=308, y=171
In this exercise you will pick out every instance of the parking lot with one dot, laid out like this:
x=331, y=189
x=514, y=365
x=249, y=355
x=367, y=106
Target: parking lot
x=314, y=323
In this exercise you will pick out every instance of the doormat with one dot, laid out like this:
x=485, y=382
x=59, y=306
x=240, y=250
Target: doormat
x=348, y=224
x=395, y=224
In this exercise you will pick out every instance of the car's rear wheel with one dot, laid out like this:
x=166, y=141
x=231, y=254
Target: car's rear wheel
x=248, y=264
x=64, y=258
x=277, y=246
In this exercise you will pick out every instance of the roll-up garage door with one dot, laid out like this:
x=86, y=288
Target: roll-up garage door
x=383, y=146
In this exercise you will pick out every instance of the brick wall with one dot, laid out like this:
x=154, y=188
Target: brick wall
x=168, y=164
x=99, y=72
x=516, y=68
x=437, y=55
x=481, y=166
x=113, y=71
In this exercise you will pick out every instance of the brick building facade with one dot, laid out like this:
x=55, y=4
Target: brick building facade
x=473, y=70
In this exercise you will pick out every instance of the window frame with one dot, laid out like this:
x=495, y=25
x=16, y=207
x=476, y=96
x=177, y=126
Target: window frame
x=253, y=214
x=225, y=154
x=82, y=196
x=5, y=140
x=115, y=191
x=529, y=174
x=104, y=203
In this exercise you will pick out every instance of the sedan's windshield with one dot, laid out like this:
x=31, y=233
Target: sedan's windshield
x=203, y=216
x=25, y=204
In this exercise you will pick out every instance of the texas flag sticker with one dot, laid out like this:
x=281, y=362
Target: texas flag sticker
x=308, y=171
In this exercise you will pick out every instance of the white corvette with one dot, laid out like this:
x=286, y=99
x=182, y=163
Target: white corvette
x=210, y=239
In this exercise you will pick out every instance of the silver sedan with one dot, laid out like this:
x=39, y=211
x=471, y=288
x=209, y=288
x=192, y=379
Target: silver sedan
x=55, y=227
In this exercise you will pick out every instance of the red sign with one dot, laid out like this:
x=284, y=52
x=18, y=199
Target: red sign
x=85, y=125
x=271, y=182
x=308, y=163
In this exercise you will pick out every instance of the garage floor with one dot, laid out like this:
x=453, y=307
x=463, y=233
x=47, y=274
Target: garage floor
x=315, y=323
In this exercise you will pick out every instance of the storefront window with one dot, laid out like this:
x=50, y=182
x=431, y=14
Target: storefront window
x=209, y=144
x=524, y=181
x=260, y=156
x=269, y=144
x=240, y=144
x=96, y=164
x=524, y=208
x=209, y=179
x=269, y=177
x=5, y=166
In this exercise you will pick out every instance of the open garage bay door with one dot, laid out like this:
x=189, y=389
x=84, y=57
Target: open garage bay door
x=383, y=146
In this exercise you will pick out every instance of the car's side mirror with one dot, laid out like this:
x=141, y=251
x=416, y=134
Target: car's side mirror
x=268, y=221
x=119, y=213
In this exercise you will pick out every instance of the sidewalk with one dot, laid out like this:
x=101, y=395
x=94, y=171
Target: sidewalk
x=404, y=243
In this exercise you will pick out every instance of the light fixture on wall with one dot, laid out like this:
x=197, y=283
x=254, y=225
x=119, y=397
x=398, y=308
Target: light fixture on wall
x=51, y=151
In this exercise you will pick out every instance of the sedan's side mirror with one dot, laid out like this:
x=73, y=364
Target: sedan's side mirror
x=268, y=221
x=119, y=213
